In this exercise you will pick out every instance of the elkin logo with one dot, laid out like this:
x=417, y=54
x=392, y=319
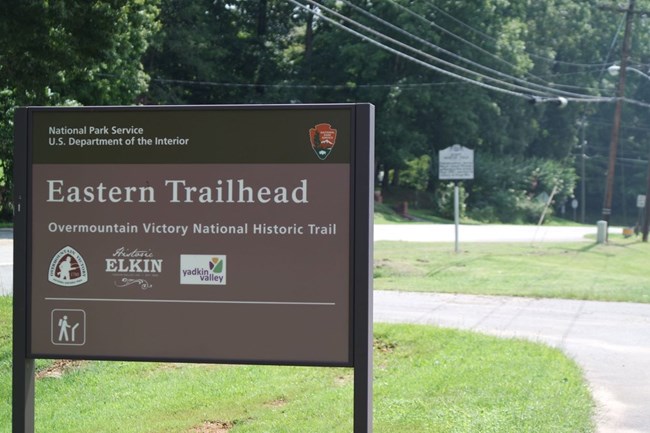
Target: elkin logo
x=322, y=138
x=132, y=265
x=203, y=269
x=68, y=268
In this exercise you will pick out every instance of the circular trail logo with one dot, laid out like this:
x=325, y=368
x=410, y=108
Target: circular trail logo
x=67, y=268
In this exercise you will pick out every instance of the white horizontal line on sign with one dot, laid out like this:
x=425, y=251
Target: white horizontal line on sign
x=192, y=301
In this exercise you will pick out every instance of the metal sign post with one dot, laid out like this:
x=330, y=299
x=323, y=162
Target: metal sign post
x=456, y=163
x=23, y=366
x=186, y=219
x=643, y=213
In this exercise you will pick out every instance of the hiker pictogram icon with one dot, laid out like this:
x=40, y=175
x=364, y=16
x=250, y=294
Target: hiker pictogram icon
x=69, y=327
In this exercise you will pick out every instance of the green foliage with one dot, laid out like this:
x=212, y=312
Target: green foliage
x=509, y=189
x=68, y=53
x=90, y=52
x=7, y=104
x=417, y=173
x=444, y=200
x=236, y=47
x=504, y=189
x=270, y=51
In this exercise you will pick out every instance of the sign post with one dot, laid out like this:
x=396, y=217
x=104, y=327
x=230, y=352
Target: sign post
x=456, y=163
x=642, y=219
x=216, y=234
x=574, y=206
x=23, y=366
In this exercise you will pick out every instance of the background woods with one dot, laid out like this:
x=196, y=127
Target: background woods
x=486, y=74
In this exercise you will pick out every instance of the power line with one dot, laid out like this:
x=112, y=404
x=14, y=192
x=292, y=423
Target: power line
x=403, y=55
x=452, y=34
x=601, y=66
x=370, y=40
x=548, y=87
x=534, y=55
x=351, y=87
x=529, y=93
x=296, y=85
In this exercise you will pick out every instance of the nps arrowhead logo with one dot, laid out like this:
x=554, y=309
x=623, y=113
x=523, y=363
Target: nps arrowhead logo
x=322, y=138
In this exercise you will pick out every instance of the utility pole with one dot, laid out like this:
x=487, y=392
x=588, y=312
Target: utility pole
x=583, y=175
x=620, y=93
x=645, y=220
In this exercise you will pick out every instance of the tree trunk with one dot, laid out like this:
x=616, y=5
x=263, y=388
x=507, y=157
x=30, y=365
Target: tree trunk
x=309, y=44
x=262, y=28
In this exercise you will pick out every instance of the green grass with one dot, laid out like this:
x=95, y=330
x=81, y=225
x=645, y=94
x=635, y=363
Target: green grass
x=426, y=380
x=617, y=271
x=385, y=214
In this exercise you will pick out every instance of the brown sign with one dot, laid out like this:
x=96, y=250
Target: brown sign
x=217, y=234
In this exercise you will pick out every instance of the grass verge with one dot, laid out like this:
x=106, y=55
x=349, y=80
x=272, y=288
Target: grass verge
x=426, y=380
x=386, y=213
x=616, y=271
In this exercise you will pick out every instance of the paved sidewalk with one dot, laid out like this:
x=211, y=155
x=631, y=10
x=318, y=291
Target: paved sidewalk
x=484, y=233
x=6, y=262
x=610, y=341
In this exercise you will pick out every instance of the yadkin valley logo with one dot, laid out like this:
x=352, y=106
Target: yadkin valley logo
x=67, y=268
x=216, y=265
x=322, y=138
x=203, y=269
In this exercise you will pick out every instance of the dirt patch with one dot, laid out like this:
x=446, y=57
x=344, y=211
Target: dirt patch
x=212, y=427
x=343, y=379
x=384, y=346
x=278, y=402
x=59, y=368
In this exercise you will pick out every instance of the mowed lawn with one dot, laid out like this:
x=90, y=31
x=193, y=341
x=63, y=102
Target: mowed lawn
x=616, y=271
x=426, y=380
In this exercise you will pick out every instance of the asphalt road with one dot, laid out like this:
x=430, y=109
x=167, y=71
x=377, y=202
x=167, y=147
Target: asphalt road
x=483, y=233
x=6, y=262
x=610, y=341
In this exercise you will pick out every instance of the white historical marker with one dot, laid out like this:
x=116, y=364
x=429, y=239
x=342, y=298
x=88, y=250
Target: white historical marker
x=456, y=163
x=640, y=201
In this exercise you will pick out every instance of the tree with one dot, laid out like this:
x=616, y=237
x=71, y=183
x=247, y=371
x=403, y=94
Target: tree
x=54, y=53
x=219, y=51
